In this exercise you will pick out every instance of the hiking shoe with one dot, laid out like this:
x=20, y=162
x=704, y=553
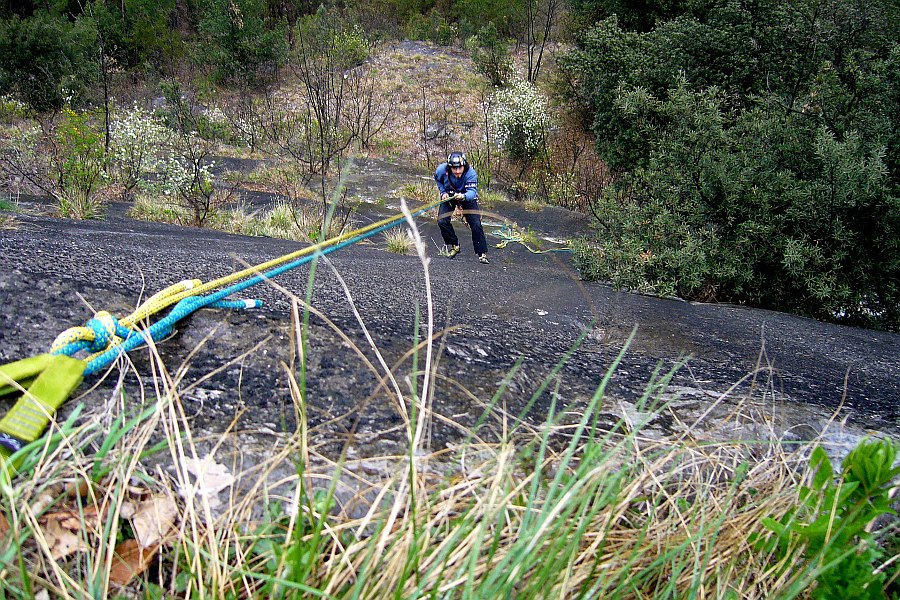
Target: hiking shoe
x=482, y=258
x=452, y=251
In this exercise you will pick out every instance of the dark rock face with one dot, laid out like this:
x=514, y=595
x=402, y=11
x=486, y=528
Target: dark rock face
x=523, y=328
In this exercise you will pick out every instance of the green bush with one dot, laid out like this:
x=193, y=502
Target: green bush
x=713, y=213
x=491, y=55
x=332, y=40
x=833, y=518
x=45, y=60
x=236, y=42
x=756, y=156
x=80, y=162
x=432, y=27
x=136, y=33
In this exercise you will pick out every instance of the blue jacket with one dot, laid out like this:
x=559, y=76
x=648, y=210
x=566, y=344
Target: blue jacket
x=448, y=184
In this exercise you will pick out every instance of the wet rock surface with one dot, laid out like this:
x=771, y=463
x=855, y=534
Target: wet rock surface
x=523, y=329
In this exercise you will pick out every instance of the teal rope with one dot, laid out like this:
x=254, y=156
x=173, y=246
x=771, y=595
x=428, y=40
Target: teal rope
x=191, y=304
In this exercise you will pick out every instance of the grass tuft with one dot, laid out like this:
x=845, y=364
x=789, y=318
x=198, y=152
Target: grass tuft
x=399, y=241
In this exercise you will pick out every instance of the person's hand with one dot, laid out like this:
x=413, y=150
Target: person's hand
x=445, y=196
x=459, y=197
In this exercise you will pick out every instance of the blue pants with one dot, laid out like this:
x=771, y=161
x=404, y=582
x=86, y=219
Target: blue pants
x=472, y=215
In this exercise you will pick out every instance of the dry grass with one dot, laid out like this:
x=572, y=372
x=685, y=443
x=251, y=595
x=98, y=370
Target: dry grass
x=609, y=512
x=443, y=83
x=398, y=241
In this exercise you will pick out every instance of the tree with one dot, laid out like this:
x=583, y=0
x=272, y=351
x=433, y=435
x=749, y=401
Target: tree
x=136, y=32
x=540, y=18
x=45, y=58
x=755, y=154
x=237, y=42
x=326, y=47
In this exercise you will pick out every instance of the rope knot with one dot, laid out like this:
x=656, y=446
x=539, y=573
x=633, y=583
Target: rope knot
x=103, y=325
x=98, y=334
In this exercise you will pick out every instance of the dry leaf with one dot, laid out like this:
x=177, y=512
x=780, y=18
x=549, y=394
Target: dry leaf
x=211, y=478
x=127, y=510
x=153, y=520
x=129, y=561
x=4, y=526
x=65, y=530
x=62, y=541
x=45, y=500
x=76, y=520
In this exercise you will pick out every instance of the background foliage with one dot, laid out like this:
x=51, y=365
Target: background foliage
x=756, y=154
x=743, y=151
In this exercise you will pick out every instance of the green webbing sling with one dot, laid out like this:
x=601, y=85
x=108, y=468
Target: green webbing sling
x=46, y=381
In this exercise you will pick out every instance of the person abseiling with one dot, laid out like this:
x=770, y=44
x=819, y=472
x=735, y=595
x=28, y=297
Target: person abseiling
x=457, y=183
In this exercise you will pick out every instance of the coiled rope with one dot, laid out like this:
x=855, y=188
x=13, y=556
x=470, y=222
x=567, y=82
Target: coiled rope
x=507, y=234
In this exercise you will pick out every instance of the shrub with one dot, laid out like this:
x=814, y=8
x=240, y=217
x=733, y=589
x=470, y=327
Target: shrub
x=187, y=179
x=489, y=199
x=714, y=214
x=151, y=207
x=139, y=141
x=80, y=159
x=11, y=109
x=833, y=518
x=399, y=240
x=420, y=191
x=519, y=121
x=491, y=55
x=756, y=154
x=433, y=28
x=236, y=42
x=23, y=167
x=46, y=59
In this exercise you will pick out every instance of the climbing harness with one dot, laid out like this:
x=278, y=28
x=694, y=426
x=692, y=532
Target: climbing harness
x=46, y=381
x=508, y=234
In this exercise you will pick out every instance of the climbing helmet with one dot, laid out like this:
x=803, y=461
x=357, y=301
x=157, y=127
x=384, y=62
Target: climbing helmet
x=457, y=159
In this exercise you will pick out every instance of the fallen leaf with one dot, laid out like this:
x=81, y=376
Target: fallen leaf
x=73, y=520
x=129, y=561
x=62, y=541
x=153, y=520
x=127, y=510
x=211, y=478
x=65, y=530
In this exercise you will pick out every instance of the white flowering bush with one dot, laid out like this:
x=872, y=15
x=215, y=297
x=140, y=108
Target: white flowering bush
x=519, y=121
x=139, y=141
x=187, y=180
x=22, y=168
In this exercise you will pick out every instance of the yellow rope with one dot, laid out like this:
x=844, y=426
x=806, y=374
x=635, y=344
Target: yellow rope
x=174, y=294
